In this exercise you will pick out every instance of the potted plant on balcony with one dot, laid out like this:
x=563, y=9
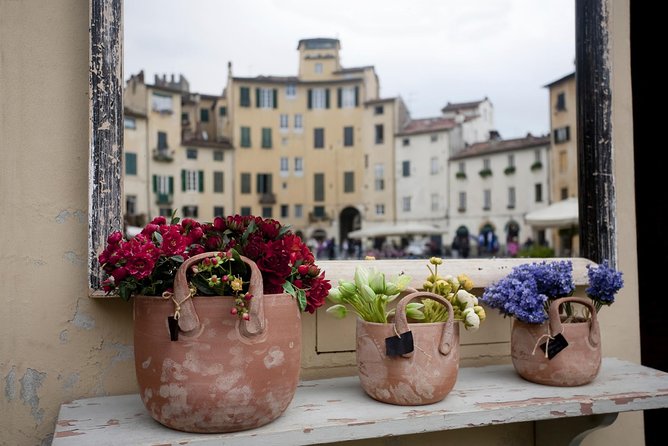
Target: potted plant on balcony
x=409, y=354
x=217, y=328
x=551, y=342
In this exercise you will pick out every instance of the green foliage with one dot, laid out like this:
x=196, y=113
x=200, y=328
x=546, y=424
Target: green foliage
x=537, y=251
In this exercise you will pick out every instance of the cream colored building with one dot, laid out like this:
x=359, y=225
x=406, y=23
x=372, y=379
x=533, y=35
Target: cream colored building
x=476, y=119
x=183, y=163
x=300, y=142
x=494, y=184
x=60, y=345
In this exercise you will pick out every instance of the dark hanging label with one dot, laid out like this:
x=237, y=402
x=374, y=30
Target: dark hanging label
x=555, y=345
x=399, y=345
x=173, y=328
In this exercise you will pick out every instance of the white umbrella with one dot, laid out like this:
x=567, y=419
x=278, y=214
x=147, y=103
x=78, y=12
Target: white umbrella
x=395, y=229
x=557, y=215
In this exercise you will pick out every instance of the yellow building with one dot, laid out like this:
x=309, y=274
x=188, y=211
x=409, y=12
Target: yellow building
x=305, y=145
x=563, y=177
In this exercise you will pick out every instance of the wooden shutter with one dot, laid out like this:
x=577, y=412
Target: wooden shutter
x=310, y=98
x=201, y=180
x=257, y=97
x=275, y=92
x=155, y=184
x=171, y=185
x=326, y=97
x=183, y=180
x=357, y=95
x=339, y=97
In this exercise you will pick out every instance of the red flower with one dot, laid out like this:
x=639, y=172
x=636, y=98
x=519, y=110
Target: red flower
x=115, y=238
x=141, y=266
x=159, y=221
x=173, y=243
x=315, y=297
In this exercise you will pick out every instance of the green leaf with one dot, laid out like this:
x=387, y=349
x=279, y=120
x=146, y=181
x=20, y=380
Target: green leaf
x=289, y=288
x=249, y=230
x=158, y=237
x=178, y=259
x=301, y=299
x=174, y=219
x=283, y=230
x=338, y=311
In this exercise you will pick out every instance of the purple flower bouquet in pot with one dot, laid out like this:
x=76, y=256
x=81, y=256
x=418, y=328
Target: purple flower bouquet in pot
x=554, y=341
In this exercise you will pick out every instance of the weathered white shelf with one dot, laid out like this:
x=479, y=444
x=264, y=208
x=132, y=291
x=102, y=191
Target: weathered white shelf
x=337, y=409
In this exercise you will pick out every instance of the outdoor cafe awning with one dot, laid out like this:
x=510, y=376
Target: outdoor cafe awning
x=396, y=229
x=557, y=215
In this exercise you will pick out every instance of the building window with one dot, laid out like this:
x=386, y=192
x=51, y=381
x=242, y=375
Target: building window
x=564, y=193
x=461, y=169
x=245, y=183
x=162, y=103
x=263, y=183
x=563, y=161
x=299, y=122
x=511, y=198
x=218, y=182
x=204, y=114
x=435, y=202
x=539, y=192
x=190, y=211
x=299, y=211
x=266, y=138
x=319, y=138
x=318, y=98
x=317, y=68
x=244, y=97
x=379, y=134
x=380, y=209
x=299, y=165
x=319, y=211
x=433, y=138
x=185, y=118
x=192, y=180
x=165, y=212
x=218, y=211
x=162, y=142
x=486, y=164
x=562, y=134
x=245, y=137
x=266, y=98
x=433, y=165
x=131, y=204
x=245, y=210
x=163, y=186
x=291, y=91
x=348, y=182
x=218, y=155
x=537, y=156
x=191, y=154
x=348, y=136
x=406, y=204
x=283, y=121
x=462, y=202
x=487, y=199
x=561, y=102
x=130, y=163
x=285, y=211
x=285, y=166
x=319, y=187
x=347, y=97
x=406, y=168
x=129, y=123
x=222, y=112
x=511, y=160
x=406, y=142
x=379, y=180
x=267, y=212
x=378, y=110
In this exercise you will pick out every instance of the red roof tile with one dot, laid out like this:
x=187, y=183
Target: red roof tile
x=427, y=125
x=501, y=145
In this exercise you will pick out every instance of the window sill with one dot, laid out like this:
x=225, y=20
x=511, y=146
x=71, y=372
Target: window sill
x=482, y=396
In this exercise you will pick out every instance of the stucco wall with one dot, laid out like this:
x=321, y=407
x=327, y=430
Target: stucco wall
x=57, y=344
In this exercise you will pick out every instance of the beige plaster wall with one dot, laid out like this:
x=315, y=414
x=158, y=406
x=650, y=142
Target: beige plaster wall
x=57, y=344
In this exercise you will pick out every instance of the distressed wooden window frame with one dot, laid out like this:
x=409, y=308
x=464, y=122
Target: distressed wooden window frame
x=598, y=234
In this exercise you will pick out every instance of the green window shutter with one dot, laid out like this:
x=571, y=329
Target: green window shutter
x=266, y=138
x=183, y=180
x=155, y=184
x=171, y=185
x=223, y=111
x=339, y=97
x=310, y=98
x=275, y=91
x=244, y=97
x=357, y=95
x=270, y=189
x=130, y=163
x=319, y=187
x=245, y=137
x=218, y=182
x=204, y=115
x=327, y=98
x=257, y=97
x=201, y=181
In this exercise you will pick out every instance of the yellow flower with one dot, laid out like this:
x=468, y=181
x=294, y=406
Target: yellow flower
x=236, y=284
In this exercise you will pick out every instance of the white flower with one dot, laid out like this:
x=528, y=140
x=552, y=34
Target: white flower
x=471, y=319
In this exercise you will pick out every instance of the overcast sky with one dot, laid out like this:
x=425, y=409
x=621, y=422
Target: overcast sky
x=428, y=52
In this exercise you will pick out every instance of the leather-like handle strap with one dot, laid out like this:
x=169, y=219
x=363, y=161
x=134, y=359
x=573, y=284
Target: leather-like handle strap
x=401, y=323
x=555, y=318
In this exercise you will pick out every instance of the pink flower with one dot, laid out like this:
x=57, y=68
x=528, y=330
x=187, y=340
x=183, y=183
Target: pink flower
x=119, y=274
x=115, y=238
x=141, y=266
x=150, y=229
x=159, y=221
x=173, y=243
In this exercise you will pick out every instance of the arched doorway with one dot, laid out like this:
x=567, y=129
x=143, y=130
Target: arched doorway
x=349, y=220
x=488, y=243
x=512, y=238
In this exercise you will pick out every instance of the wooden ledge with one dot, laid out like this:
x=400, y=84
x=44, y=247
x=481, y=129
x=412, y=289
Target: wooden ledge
x=337, y=409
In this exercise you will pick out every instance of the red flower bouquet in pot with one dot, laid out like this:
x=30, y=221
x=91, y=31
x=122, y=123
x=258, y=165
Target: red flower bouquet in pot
x=216, y=316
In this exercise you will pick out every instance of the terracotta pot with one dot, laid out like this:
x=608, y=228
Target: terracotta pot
x=222, y=375
x=423, y=376
x=575, y=365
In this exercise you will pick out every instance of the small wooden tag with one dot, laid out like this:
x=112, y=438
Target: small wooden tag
x=397, y=346
x=555, y=345
x=173, y=328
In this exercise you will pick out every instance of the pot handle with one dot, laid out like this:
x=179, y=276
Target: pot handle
x=189, y=321
x=401, y=324
x=555, y=319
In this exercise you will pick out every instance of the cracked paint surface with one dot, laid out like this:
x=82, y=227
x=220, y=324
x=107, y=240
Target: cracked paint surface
x=30, y=383
x=10, y=384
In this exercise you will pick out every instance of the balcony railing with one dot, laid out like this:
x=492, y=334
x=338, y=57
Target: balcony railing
x=164, y=199
x=267, y=198
x=163, y=155
x=314, y=218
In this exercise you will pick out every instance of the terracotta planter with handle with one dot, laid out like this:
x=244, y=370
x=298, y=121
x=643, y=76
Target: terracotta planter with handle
x=424, y=375
x=222, y=374
x=575, y=364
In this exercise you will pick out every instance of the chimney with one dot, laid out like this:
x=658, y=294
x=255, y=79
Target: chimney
x=494, y=135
